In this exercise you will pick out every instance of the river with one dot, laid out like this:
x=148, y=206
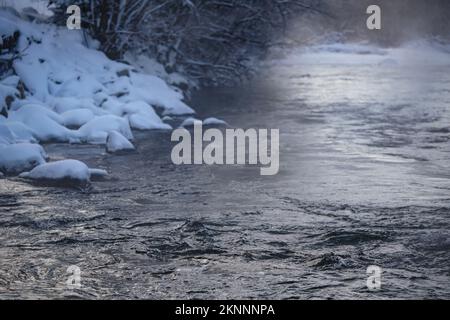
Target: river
x=364, y=180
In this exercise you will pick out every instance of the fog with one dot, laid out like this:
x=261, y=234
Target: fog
x=402, y=21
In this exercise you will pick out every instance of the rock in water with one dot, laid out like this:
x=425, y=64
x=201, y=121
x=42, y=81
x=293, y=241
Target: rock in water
x=64, y=172
x=16, y=158
x=214, y=122
x=115, y=142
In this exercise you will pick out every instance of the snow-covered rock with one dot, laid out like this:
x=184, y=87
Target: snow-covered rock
x=77, y=117
x=11, y=81
x=113, y=106
x=189, y=122
x=156, y=92
x=7, y=91
x=69, y=171
x=16, y=158
x=83, y=86
x=214, y=122
x=34, y=109
x=45, y=123
x=143, y=117
x=97, y=173
x=20, y=132
x=34, y=75
x=96, y=131
x=117, y=142
x=6, y=136
x=64, y=104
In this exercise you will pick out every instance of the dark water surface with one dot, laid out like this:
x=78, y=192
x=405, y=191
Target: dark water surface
x=364, y=180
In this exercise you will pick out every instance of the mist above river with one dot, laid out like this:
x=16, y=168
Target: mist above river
x=401, y=21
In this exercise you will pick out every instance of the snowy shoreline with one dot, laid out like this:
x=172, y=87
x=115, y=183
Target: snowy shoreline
x=58, y=90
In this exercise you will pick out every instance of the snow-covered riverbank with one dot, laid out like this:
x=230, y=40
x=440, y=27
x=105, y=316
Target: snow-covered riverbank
x=58, y=89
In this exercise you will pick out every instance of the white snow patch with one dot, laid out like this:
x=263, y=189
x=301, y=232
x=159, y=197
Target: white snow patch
x=117, y=142
x=214, y=122
x=44, y=122
x=5, y=91
x=60, y=170
x=16, y=158
x=96, y=131
x=77, y=117
x=189, y=122
x=98, y=173
x=143, y=117
x=20, y=132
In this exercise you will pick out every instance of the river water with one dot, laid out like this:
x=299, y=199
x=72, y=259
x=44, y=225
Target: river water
x=364, y=180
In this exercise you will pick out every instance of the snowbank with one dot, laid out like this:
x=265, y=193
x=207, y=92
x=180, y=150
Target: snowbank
x=58, y=64
x=46, y=124
x=142, y=116
x=61, y=90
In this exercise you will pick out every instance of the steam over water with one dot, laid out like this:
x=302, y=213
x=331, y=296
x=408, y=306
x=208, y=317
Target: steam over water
x=364, y=180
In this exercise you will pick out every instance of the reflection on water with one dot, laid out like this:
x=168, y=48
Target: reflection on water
x=364, y=180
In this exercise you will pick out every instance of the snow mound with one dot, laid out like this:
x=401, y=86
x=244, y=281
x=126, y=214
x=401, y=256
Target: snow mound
x=77, y=117
x=142, y=116
x=117, y=142
x=96, y=131
x=5, y=92
x=20, y=132
x=6, y=136
x=16, y=158
x=71, y=171
x=214, y=122
x=64, y=104
x=189, y=122
x=45, y=123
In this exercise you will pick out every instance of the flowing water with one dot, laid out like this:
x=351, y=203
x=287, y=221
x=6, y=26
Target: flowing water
x=364, y=180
